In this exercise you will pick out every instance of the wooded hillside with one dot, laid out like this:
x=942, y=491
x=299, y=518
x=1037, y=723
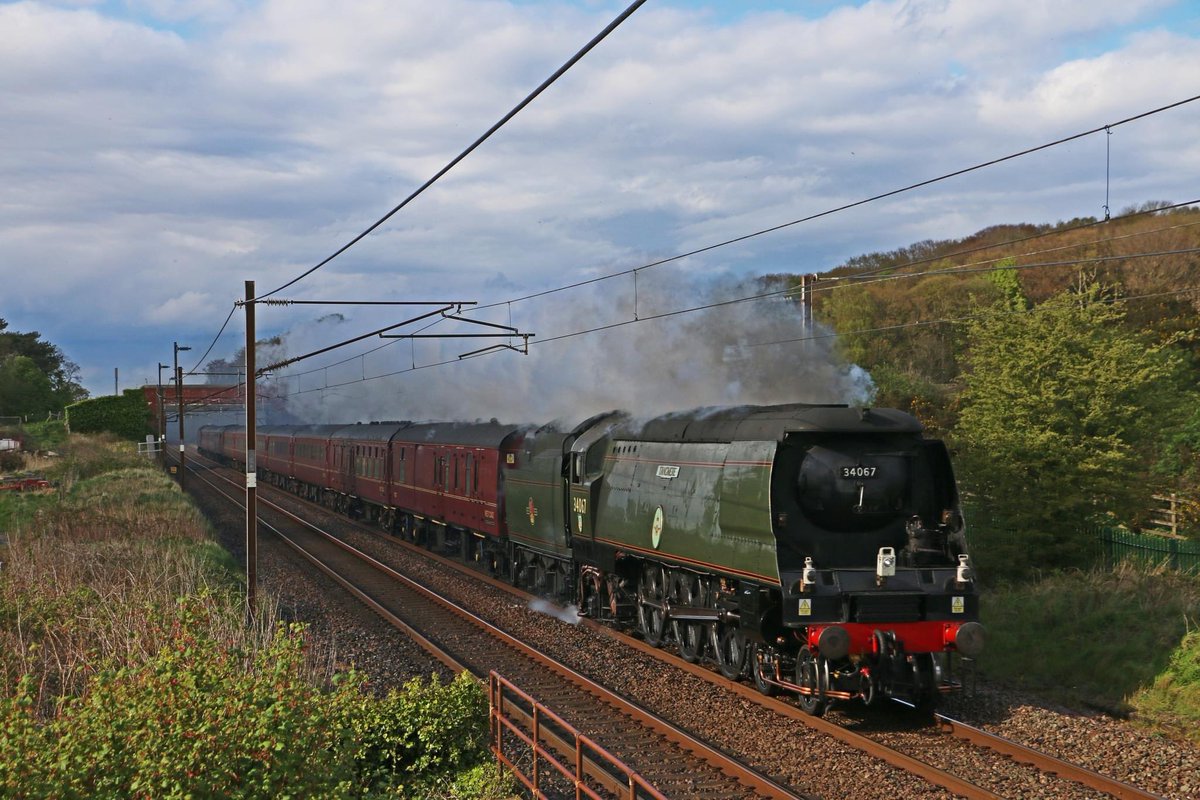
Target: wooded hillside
x=1059, y=360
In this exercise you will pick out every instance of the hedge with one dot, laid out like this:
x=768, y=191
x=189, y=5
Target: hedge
x=126, y=416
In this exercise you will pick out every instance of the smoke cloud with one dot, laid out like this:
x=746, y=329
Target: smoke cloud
x=727, y=353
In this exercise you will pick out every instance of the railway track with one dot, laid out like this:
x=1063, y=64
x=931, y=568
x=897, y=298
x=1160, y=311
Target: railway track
x=668, y=758
x=953, y=734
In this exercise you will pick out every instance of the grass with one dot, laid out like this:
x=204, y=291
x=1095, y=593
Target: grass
x=1173, y=699
x=1124, y=640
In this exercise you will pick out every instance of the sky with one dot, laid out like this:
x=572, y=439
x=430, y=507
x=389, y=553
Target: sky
x=157, y=154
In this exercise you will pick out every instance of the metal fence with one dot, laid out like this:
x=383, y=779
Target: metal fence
x=1116, y=546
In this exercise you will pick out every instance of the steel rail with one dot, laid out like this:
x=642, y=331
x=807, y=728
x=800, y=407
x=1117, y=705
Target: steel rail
x=1042, y=761
x=449, y=661
x=742, y=773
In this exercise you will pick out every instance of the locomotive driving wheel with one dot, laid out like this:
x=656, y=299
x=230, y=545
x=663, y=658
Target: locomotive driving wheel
x=688, y=590
x=652, y=595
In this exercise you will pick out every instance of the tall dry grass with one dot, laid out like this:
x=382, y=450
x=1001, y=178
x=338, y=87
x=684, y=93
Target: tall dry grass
x=90, y=580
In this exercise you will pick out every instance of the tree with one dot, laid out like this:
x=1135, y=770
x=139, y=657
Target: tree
x=25, y=391
x=1063, y=413
x=46, y=358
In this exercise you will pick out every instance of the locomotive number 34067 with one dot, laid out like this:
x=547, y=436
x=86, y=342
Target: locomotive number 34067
x=859, y=472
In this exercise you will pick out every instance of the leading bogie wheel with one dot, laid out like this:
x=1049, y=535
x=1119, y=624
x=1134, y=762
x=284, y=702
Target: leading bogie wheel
x=812, y=675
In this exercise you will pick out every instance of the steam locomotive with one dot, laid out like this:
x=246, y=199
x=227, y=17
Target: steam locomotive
x=814, y=549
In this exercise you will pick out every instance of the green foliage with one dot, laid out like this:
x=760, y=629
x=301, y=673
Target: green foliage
x=1173, y=700
x=1005, y=279
x=887, y=324
x=126, y=416
x=1064, y=405
x=25, y=391
x=1179, y=466
x=84, y=457
x=198, y=720
x=1148, y=612
x=205, y=720
x=913, y=393
x=34, y=375
x=414, y=742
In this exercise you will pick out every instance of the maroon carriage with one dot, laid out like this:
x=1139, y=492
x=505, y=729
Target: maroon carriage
x=449, y=477
x=357, y=471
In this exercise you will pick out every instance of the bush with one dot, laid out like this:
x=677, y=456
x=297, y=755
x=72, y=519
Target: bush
x=416, y=741
x=197, y=720
x=1174, y=698
x=46, y=435
x=86, y=457
x=114, y=687
x=205, y=720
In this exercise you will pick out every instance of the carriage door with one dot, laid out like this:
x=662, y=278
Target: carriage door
x=349, y=468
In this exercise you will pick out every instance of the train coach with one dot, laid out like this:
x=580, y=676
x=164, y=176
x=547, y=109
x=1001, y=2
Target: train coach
x=435, y=482
x=818, y=550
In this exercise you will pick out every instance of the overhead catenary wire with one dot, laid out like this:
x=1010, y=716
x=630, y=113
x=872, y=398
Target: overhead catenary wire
x=624, y=15
x=965, y=318
x=958, y=269
x=863, y=331
x=1055, y=231
x=978, y=266
x=765, y=295
x=847, y=206
x=216, y=339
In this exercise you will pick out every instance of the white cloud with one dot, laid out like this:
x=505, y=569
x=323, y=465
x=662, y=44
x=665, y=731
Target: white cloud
x=188, y=304
x=162, y=161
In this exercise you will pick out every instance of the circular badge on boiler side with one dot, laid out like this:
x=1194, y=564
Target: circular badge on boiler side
x=656, y=528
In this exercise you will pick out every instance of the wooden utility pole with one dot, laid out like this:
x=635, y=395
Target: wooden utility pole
x=251, y=465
